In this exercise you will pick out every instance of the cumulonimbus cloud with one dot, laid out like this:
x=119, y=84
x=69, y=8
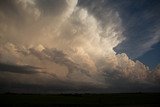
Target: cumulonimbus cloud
x=69, y=42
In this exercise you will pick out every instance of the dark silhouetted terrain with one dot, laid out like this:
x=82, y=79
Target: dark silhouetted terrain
x=76, y=100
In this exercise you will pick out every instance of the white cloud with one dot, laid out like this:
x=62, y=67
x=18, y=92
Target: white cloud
x=71, y=44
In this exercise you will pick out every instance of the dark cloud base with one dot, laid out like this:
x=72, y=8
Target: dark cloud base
x=52, y=89
x=24, y=69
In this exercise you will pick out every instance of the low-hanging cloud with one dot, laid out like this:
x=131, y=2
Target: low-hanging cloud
x=18, y=69
x=69, y=44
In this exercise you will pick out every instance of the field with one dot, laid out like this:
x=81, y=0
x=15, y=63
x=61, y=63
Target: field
x=78, y=100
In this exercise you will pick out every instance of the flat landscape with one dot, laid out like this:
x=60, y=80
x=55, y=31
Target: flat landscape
x=78, y=100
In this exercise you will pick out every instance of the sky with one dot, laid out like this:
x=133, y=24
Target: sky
x=79, y=46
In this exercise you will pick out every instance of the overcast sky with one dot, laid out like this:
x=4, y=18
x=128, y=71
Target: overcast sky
x=78, y=46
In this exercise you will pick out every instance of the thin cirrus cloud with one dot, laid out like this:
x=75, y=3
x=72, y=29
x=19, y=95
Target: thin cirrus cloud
x=141, y=21
x=72, y=46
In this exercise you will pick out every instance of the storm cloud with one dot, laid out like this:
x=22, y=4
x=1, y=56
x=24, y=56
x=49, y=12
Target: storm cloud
x=67, y=46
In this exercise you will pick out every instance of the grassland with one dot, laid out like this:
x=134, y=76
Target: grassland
x=78, y=100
